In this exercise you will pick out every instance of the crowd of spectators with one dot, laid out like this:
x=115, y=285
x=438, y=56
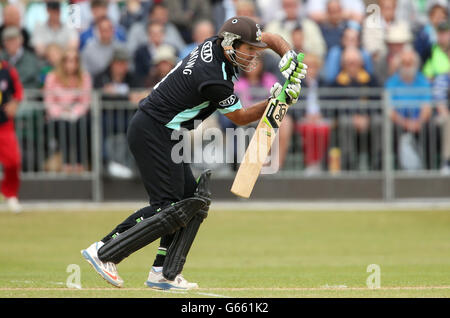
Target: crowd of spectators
x=120, y=46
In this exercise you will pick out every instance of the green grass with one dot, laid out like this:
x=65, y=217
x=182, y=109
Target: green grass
x=241, y=254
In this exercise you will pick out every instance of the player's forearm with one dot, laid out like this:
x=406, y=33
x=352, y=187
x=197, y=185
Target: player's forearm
x=245, y=116
x=276, y=43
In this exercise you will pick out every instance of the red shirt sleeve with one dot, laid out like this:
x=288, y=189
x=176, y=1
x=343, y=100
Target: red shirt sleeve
x=17, y=88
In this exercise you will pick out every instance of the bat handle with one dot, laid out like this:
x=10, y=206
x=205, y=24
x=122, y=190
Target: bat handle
x=282, y=96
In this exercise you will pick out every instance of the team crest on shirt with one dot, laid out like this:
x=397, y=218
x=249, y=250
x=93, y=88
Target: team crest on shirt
x=258, y=33
x=206, y=53
x=229, y=101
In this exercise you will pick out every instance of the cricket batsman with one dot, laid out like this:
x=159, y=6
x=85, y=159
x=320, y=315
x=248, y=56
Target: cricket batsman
x=195, y=88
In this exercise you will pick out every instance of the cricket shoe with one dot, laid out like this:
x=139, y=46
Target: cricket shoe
x=108, y=270
x=156, y=280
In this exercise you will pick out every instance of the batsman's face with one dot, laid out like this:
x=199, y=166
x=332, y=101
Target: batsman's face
x=247, y=56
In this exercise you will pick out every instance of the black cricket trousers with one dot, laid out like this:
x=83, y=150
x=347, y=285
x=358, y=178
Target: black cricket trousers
x=165, y=181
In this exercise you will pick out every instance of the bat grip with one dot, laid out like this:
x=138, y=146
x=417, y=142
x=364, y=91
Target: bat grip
x=282, y=96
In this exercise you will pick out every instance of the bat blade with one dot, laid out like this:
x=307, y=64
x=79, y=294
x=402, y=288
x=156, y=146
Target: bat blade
x=258, y=149
x=260, y=144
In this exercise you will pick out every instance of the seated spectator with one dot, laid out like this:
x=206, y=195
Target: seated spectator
x=52, y=58
x=334, y=24
x=350, y=38
x=117, y=80
x=247, y=8
x=313, y=41
x=145, y=53
x=53, y=31
x=184, y=14
x=67, y=96
x=163, y=62
x=138, y=34
x=88, y=15
x=22, y=59
x=202, y=30
x=12, y=18
x=397, y=38
x=358, y=127
x=441, y=98
x=97, y=54
x=426, y=37
x=375, y=29
x=135, y=11
x=99, y=10
x=439, y=61
x=351, y=10
x=410, y=96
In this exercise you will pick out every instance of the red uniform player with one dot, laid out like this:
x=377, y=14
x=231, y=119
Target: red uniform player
x=11, y=93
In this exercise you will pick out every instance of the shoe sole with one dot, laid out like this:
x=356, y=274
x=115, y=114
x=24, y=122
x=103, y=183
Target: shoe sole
x=98, y=270
x=164, y=286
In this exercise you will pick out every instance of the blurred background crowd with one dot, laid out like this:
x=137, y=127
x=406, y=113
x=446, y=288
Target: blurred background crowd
x=123, y=48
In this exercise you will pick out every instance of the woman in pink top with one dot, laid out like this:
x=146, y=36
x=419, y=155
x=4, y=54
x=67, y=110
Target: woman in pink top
x=255, y=85
x=67, y=93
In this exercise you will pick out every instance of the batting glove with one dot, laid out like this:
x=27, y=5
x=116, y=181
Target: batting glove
x=292, y=92
x=291, y=68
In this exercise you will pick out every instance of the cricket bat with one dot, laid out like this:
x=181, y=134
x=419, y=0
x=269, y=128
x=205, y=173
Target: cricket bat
x=260, y=144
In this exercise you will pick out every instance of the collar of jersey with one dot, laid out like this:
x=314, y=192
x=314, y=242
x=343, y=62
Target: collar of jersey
x=229, y=67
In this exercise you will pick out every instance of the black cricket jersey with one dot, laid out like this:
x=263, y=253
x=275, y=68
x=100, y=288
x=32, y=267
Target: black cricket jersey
x=195, y=88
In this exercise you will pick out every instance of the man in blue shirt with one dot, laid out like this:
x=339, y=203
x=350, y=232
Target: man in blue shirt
x=410, y=95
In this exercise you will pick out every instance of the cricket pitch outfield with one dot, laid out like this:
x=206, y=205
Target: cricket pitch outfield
x=240, y=253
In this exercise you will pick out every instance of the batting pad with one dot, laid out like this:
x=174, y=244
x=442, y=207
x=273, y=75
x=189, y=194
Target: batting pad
x=165, y=221
x=184, y=237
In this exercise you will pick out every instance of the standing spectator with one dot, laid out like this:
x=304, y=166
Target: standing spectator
x=358, y=128
x=145, y=53
x=116, y=84
x=99, y=10
x=426, y=37
x=12, y=94
x=410, y=94
x=350, y=38
x=97, y=54
x=12, y=18
x=21, y=58
x=313, y=41
x=441, y=98
x=138, y=34
x=201, y=31
x=185, y=13
x=53, y=31
x=439, y=62
x=135, y=11
x=67, y=96
x=334, y=24
x=89, y=16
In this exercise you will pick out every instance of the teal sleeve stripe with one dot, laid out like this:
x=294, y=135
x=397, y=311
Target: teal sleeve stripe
x=231, y=109
x=185, y=115
x=223, y=71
